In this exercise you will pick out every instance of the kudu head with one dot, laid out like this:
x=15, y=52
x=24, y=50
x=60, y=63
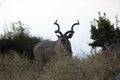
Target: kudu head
x=63, y=38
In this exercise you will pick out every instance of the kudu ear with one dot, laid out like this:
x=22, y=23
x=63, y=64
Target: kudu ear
x=58, y=35
x=69, y=35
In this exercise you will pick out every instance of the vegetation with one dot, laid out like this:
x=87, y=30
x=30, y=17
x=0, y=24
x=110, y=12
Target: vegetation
x=94, y=67
x=18, y=38
x=103, y=32
x=17, y=43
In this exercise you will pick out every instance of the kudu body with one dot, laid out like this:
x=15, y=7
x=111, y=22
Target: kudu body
x=47, y=49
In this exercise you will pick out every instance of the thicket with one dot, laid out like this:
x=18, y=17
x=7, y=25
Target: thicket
x=103, y=32
x=17, y=37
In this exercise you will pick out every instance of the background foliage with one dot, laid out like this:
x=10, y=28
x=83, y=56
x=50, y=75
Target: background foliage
x=103, y=32
x=18, y=38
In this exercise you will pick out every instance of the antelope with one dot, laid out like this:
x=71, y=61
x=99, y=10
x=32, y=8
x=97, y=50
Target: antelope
x=46, y=49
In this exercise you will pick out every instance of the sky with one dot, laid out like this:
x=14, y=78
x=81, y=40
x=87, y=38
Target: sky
x=40, y=15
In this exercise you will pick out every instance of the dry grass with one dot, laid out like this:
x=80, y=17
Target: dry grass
x=95, y=67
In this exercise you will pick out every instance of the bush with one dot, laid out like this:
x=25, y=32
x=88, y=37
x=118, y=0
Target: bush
x=18, y=39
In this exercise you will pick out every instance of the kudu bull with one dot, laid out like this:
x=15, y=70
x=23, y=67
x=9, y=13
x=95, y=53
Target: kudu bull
x=47, y=49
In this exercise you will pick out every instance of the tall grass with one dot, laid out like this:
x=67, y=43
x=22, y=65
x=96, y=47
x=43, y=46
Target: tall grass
x=61, y=67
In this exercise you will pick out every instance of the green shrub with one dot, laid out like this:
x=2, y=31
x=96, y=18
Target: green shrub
x=18, y=38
